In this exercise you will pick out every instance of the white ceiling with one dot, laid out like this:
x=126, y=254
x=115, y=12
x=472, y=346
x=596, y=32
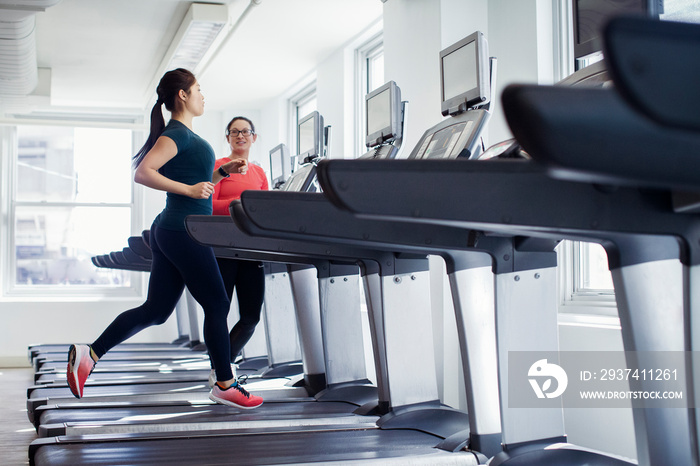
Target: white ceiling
x=104, y=54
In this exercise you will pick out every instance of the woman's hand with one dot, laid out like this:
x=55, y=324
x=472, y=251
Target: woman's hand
x=201, y=190
x=236, y=165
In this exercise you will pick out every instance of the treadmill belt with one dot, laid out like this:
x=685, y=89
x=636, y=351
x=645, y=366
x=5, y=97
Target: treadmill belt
x=92, y=390
x=129, y=356
x=134, y=376
x=260, y=449
x=198, y=412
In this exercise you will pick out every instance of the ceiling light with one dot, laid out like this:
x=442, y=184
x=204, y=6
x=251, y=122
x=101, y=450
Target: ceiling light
x=196, y=40
x=198, y=32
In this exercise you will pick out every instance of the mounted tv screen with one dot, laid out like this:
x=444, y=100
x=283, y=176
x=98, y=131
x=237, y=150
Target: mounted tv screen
x=464, y=74
x=310, y=136
x=280, y=164
x=383, y=114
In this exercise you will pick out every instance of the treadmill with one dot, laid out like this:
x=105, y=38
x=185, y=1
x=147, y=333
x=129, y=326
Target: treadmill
x=638, y=227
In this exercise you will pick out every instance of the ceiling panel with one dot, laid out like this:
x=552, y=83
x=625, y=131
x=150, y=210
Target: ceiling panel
x=103, y=54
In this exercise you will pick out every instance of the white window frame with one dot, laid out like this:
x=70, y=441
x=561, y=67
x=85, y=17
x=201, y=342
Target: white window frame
x=8, y=204
x=563, y=29
x=303, y=96
x=574, y=299
x=368, y=50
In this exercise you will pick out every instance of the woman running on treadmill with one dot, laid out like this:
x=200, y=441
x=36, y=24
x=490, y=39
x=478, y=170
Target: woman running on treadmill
x=174, y=159
x=246, y=277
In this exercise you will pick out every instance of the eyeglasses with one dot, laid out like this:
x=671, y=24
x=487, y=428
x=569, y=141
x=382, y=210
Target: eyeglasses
x=235, y=132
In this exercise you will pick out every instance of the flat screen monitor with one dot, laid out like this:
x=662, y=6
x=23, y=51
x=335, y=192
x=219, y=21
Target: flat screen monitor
x=383, y=114
x=464, y=74
x=591, y=15
x=280, y=164
x=310, y=136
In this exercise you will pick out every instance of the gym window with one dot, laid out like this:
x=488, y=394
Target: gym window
x=369, y=67
x=585, y=283
x=300, y=104
x=69, y=197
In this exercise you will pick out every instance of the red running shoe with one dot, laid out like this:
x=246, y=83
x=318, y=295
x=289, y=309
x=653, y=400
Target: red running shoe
x=235, y=396
x=80, y=366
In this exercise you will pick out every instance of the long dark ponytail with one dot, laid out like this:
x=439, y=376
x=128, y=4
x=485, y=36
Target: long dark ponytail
x=170, y=85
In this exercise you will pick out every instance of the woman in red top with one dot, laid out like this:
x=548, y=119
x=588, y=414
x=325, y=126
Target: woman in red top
x=246, y=277
x=240, y=134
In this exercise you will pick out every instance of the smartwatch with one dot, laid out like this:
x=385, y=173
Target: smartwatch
x=223, y=173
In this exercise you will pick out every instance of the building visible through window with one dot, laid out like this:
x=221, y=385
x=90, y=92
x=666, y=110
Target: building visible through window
x=72, y=199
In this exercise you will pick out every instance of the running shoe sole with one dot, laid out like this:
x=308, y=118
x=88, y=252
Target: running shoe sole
x=75, y=355
x=72, y=373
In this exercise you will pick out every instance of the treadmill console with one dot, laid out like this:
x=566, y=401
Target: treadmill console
x=385, y=151
x=302, y=180
x=508, y=149
x=455, y=137
x=466, y=75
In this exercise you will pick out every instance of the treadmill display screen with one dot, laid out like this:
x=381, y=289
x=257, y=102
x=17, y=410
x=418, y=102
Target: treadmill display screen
x=276, y=164
x=459, y=71
x=378, y=112
x=306, y=136
x=465, y=70
x=443, y=144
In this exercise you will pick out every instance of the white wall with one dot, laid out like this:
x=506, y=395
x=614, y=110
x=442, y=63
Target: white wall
x=606, y=429
x=520, y=38
x=411, y=52
x=64, y=321
x=331, y=82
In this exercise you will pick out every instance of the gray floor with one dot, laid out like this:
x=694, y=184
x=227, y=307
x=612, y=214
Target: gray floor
x=16, y=432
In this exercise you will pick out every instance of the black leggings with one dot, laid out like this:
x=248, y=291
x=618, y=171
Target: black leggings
x=248, y=279
x=178, y=261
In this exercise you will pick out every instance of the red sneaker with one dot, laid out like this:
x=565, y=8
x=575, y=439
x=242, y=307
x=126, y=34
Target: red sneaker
x=235, y=396
x=80, y=366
